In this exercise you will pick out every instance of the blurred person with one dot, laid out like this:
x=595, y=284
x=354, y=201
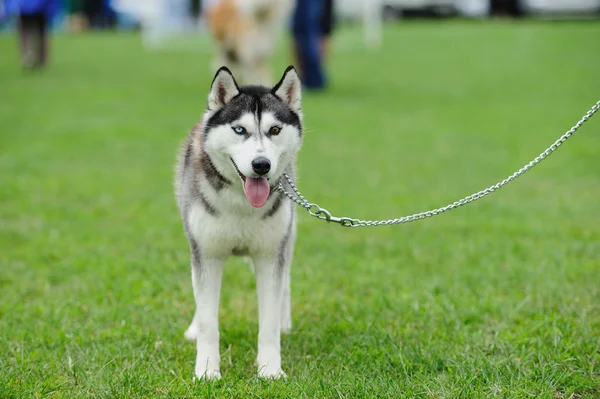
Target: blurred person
x=327, y=25
x=99, y=14
x=34, y=17
x=308, y=34
x=90, y=14
x=195, y=7
x=505, y=8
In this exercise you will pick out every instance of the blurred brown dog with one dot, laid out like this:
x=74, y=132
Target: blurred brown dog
x=246, y=34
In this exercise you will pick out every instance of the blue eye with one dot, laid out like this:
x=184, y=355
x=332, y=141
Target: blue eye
x=239, y=130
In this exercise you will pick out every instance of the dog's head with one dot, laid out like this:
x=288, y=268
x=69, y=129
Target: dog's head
x=252, y=133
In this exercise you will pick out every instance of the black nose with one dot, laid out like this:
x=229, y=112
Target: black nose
x=261, y=165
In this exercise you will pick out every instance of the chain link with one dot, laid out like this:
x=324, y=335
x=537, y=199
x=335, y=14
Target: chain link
x=323, y=214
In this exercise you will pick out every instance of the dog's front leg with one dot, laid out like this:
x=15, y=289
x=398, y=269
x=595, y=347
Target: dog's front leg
x=206, y=280
x=286, y=299
x=269, y=280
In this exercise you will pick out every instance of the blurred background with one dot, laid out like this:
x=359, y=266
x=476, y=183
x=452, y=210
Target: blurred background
x=185, y=15
x=410, y=105
x=77, y=15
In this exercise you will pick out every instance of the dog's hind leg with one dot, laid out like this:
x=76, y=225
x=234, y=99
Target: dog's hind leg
x=206, y=280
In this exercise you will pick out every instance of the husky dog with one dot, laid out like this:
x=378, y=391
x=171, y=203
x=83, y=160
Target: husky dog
x=227, y=172
x=246, y=34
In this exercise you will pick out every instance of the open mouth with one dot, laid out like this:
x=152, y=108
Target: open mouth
x=240, y=174
x=256, y=188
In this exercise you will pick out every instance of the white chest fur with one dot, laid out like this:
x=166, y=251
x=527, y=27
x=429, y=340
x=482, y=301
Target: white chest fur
x=238, y=228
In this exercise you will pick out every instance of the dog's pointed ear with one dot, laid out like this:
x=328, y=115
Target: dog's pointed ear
x=289, y=89
x=223, y=89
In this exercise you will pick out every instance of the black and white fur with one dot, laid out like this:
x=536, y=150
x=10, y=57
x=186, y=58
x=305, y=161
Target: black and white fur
x=218, y=219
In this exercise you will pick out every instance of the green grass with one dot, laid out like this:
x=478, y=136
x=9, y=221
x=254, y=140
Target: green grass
x=500, y=299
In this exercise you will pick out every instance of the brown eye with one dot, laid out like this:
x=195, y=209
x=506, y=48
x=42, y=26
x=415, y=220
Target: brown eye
x=274, y=131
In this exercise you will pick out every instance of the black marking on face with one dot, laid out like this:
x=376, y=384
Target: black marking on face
x=258, y=110
x=258, y=116
x=255, y=100
x=282, y=112
x=216, y=179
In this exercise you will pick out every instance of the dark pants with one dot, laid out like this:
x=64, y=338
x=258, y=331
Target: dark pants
x=98, y=16
x=33, y=38
x=505, y=7
x=328, y=18
x=196, y=8
x=308, y=31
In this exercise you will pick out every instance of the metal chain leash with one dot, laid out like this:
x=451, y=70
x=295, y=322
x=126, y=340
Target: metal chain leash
x=322, y=213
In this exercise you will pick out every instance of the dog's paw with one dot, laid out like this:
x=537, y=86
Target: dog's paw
x=207, y=375
x=273, y=373
x=269, y=366
x=208, y=361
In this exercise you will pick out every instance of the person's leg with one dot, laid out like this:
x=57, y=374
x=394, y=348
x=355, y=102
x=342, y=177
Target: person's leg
x=27, y=39
x=43, y=34
x=40, y=31
x=91, y=8
x=23, y=38
x=307, y=31
x=327, y=22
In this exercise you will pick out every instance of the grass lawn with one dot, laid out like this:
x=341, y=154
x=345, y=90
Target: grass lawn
x=499, y=299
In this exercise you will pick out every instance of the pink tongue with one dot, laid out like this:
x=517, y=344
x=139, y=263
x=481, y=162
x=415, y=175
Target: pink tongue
x=257, y=191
